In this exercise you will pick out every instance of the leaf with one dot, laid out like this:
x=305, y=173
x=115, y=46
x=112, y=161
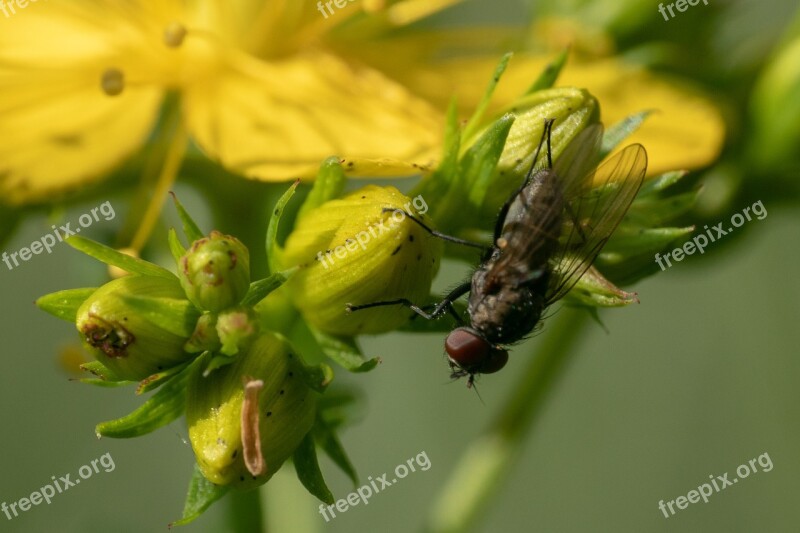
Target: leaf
x=190, y=227
x=112, y=257
x=167, y=404
x=174, y=315
x=328, y=440
x=273, y=250
x=329, y=185
x=550, y=73
x=175, y=246
x=344, y=352
x=262, y=288
x=661, y=182
x=308, y=472
x=65, y=304
x=202, y=493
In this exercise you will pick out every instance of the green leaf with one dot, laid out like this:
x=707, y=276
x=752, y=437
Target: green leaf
x=273, y=250
x=177, y=316
x=65, y=304
x=329, y=185
x=167, y=404
x=619, y=131
x=308, y=472
x=112, y=257
x=327, y=439
x=175, y=246
x=202, y=493
x=190, y=227
x=344, y=352
x=476, y=117
x=550, y=73
x=262, y=288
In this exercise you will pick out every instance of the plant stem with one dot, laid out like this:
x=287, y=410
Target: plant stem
x=244, y=514
x=487, y=460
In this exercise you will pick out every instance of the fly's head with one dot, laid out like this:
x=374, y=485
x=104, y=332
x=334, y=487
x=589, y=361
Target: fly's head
x=470, y=353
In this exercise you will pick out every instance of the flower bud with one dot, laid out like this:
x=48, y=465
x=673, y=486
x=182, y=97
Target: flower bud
x=355, y=252
x=247, y=418
x=215, y=272
x=122, y=338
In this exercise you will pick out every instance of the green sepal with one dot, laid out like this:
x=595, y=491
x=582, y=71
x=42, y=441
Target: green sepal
x=190, y=227
x=308, y=472
x=167, y=404
x=344, y=352
x=262, y=288
x=175, y=316
x=619, y=131
x=151, y=383
x=480, y=110
x=65, y=304
x=325, y=436
x=329, y=185
x=479, y=162
x=273, y=249
x=202, y=493
x=102, y=372
x=594, y=290
x=547, y=78
x=175, y=247
x=112, y=257
x=217, y=361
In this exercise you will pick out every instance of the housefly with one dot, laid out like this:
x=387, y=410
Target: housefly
x=547, y=235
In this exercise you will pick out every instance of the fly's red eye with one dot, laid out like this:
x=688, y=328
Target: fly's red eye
x=496, y=360
x=467, y=348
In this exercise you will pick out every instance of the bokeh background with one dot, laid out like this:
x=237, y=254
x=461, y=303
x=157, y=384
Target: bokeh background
x=695, y=380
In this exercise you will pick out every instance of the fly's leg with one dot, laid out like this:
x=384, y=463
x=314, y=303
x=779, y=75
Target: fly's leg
x=440, y=235
x=445, y=305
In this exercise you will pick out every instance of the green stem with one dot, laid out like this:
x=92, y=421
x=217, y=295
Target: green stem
x=243, y=513
x=486, y=462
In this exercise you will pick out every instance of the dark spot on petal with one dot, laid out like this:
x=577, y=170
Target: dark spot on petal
x=235, y=453
x=269, y=413
x=397, y=249
x=282, y=391
x=410, y=238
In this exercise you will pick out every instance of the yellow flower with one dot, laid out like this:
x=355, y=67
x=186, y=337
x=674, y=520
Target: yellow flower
x=685, y=131
x=261, y=90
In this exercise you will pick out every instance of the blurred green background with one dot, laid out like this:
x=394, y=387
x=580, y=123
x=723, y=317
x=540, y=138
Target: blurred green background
x=696, y=380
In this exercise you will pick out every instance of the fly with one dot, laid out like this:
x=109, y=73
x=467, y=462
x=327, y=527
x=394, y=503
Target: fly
x=547, y=235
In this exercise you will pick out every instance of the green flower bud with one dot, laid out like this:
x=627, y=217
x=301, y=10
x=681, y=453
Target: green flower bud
x=236, y=329
x=354, y=252
x=205, y=336
x=247, y=418
x=124, y=339
x=215, y=272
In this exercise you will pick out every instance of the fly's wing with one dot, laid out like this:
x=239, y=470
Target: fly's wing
x=602, y=199
x=577, y=162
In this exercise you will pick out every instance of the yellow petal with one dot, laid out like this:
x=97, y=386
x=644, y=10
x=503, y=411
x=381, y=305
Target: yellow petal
x=685, y=132
x=278, y=120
